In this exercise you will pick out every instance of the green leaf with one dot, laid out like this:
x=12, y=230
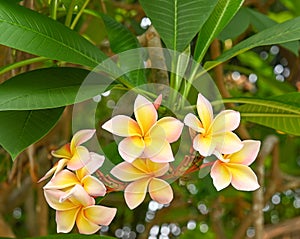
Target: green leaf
x=19, y=129
x=280, y=33
x=29, y=31
x=280, y=112
x=73, y=236
x=178, y=21
x=50, y=88
x=122, y=40
x=219, y=18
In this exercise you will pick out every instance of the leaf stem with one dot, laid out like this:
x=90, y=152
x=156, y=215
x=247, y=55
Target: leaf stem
x=79, y=14
x=15, y=65
x=70, y=14
x=53, y=9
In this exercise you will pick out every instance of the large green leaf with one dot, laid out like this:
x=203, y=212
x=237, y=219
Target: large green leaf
x=29, y=31
x=178, y=21
x=280, y=33
x=50, y=88
x=220, y=17
x=122, y=40
x=280, y=112
x=19, y=129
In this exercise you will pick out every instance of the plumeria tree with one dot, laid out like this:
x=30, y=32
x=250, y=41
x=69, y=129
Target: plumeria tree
x=163, y=116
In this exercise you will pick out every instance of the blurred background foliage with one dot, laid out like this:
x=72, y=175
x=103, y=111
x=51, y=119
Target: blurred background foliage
x=198, y=210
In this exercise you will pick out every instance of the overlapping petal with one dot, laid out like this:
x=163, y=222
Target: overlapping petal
x=226, y=120
x=193, y=122
x=135, y=192
x=131, y=148
x=65, y=220
x=86, y=226
x=204, y=144
x=221, y=175
x=53, y=199
x=172, y=128
x=247, y=154
x=93, y=186
x=205, y=111
x=127, y=172
x=145, y=113
x=99, y=214
x=227, y=142
x=123, y=126
x=243, y=178
x=64, y=179
x=160, y=191
x=81, y=137
x=79, y=159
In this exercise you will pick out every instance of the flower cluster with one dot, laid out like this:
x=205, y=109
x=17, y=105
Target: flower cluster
x=147, y=155
x=71, y=191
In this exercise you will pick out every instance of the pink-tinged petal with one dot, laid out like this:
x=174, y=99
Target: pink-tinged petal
x=63, y=179
x=205, y=111
x=221, y=175
x=52, y=197
x=63, y=152
x=128, y=172
x=93, y=186
x=160, y=191
x=91, y=166
x=172, y=128
x=122, y=125
x=164, y=155
x=157, y=169
x=84, y=225
x=221, y=157
x=226, y=120
x=131, y=148
x=227, y=143
x=145, y=113
x=135, y=192
x=78, y=196
x=60, y=166
x=99, y=214
x=157, y=102
x=193, y=122
x=247, y=154
x=52, y=171
x=205, y=145
x=80, y=158
x=243, y=178
x=65, y=220
x=81, y=137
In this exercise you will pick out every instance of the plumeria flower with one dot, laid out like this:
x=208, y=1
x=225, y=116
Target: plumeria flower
x=214, y=134
x=146, y=137
x=72, y=155
x=233, y=168
x=66, y=179
x=77, y=206
x=143, y=175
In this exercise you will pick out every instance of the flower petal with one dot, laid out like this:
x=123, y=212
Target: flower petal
x=99, y=214
x=131, y=148
x=221, y=175
x=135, y=192
x=59, y=165
x=145, y=113
x=164, y=155
x=226, y=120
x=63, y=152
x=84, y=225
x=65, y=220
x=247, y=154
x=193, y=122
x=63, y=179
x=91, y=166
x=205, y=111
x=127, y=172
x=52, y=197
x=78, y=196
x=79, y=159
x=227, y=143
x=81, y=137
x=160, y=191
x=172, y=128
x=157, y=169
x=93, y=186
x=204, y=145
x=122, y=125
x=243, y=178
x=157, y=102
